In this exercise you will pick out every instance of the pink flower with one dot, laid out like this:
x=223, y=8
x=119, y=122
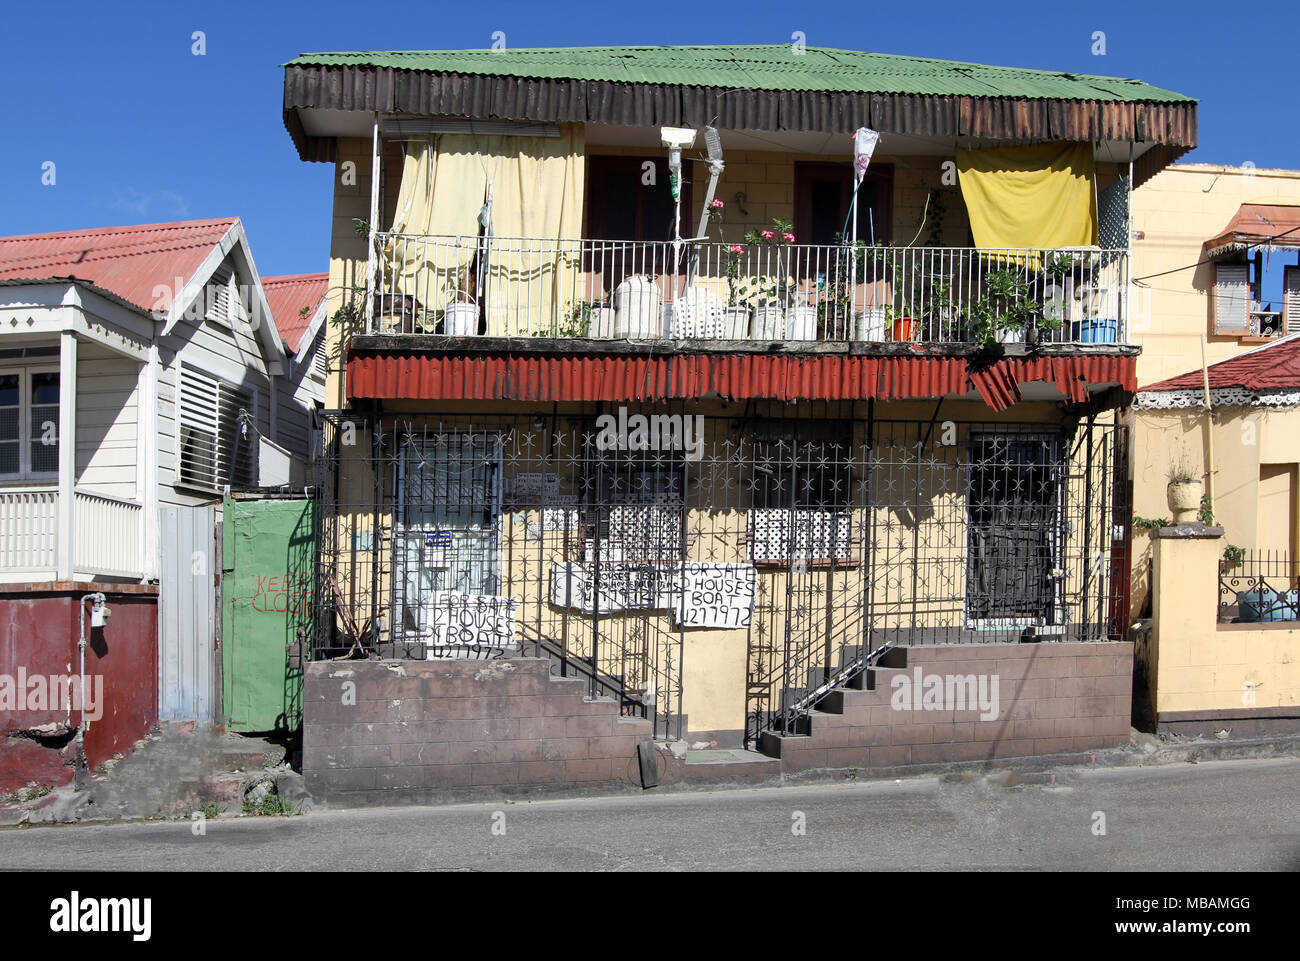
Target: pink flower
x=788, y=236
x=718, y=204
x=736, y=249
x=767, y=235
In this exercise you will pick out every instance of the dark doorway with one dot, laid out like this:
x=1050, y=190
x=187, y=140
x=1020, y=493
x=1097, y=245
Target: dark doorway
x=629, y=198
x=1013, y=511
x=823, y=193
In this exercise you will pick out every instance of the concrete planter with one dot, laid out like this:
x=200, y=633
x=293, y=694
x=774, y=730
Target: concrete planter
x=1185, y=500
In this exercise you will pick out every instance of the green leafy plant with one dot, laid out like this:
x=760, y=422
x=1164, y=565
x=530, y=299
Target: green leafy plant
x=1004, y=306
x=271, y=805
x=209, y=809
x=1234, y=555
x=1206, y=513
x=1149, y=523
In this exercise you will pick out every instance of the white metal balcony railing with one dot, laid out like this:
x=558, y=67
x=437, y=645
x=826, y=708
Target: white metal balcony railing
x=627, y=289
x=106, y=538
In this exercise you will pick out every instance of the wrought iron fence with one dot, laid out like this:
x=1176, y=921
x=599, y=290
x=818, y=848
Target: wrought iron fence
x=604, y=538
x=1259, y=586
x=519, y=287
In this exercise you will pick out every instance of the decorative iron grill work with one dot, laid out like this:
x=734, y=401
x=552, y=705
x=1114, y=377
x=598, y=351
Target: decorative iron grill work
x=603, y=538
x=1259, y=586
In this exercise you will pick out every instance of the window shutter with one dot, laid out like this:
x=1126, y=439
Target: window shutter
x=1231, y=299
x=210, y=433
x=1291, y=300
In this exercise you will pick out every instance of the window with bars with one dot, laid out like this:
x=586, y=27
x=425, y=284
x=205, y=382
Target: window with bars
x=29, y=422
x=216, y=446
x=446, y=536
x=800, y=491
x=633, y=506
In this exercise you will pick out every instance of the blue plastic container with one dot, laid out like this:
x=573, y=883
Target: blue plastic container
x=1095, y=330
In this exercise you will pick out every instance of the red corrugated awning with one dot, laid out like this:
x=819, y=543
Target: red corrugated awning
x=402, y=375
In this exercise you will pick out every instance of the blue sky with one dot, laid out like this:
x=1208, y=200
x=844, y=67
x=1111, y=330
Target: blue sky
x=141, y=130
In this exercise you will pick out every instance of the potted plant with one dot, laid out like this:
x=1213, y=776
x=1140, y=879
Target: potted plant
x=770, y=322
x=1006, y=313
x=589, y=318
x=1184, y=491
x=736, y=316
x=460, y=316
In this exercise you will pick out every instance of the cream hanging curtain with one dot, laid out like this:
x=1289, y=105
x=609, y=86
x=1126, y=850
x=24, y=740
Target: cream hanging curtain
x=526, y=274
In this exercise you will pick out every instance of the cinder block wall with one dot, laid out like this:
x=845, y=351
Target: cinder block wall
x=1052, y=699
x=412, y=731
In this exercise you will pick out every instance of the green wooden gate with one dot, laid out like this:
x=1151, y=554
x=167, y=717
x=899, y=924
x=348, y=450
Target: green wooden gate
x=268, y=559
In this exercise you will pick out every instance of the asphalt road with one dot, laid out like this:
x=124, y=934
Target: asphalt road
x=1227, y=815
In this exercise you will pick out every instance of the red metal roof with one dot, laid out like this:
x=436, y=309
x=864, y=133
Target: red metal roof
x=287, y=297
x=395, y=375
x=1274, y=366
x=127, y=261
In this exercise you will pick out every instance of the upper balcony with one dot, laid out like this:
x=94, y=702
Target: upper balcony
x=772, y=290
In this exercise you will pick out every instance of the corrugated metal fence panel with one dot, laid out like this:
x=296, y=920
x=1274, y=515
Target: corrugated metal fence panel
x=187, y=613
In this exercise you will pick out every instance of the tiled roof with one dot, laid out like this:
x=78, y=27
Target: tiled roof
x=127, y=261
x=287, y=296
x=759, y=67
x=1274, y=366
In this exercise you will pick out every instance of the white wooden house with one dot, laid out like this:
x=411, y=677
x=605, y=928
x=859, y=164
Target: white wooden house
x=155, y=347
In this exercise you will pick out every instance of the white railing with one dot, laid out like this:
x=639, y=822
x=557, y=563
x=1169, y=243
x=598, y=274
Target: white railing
x=107, y=538
x=511, y=287
x=106, y=533
x=29, y=523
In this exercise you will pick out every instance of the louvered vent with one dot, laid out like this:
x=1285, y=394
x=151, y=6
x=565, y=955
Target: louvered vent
x=210, y=435
x=219, y=297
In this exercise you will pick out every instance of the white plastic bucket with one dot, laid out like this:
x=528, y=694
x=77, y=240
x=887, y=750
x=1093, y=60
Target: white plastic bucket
x=801, y=323
x=460, y=319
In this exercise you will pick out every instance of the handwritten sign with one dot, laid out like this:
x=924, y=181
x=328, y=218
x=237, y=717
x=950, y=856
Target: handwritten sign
x=717, y=596
x=283, y=593
x=458, y=622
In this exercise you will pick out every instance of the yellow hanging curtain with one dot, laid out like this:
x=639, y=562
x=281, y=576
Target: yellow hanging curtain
x=526, y=275
x=1039, y=195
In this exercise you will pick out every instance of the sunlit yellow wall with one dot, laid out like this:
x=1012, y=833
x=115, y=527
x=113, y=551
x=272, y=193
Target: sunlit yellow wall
x=1199, y=665
x=1177, y=210
x=1244, y=438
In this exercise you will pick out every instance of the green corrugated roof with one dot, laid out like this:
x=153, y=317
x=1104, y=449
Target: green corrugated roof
x=759, y=67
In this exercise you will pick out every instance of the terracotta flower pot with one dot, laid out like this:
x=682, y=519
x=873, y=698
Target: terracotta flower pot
x=903, y=328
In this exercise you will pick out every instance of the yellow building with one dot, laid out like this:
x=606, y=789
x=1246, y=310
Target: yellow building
x=716, y=417
x=1216, y=277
